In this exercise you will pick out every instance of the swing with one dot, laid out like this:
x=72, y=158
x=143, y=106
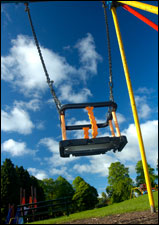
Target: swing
x=86, y=146
x=93, y=146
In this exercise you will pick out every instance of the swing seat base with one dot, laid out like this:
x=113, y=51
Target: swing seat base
x=94, y=146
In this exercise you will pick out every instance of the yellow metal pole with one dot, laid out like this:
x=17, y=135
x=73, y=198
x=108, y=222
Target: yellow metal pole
x=134, y=110
x=143, y=6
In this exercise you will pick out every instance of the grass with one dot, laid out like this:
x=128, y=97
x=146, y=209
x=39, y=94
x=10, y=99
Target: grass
x=137, y=204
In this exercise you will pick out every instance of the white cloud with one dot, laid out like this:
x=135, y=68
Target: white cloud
x=50, y=143
x=57, y=164
x=142, y=106
x=88, y=55
x=150, y=138
x=15, y=148
x=145, y=90
x=68, y=93
x=39, y=174
x=33, y=105
x=120, y=118
x=73, y=121
x=53, y=147
x=17, y=120
x=27, y=75
x=63, y=171
x=40, y=125
x=98, y=165
x=51, y=103
x=129, y=155
x=131, y=152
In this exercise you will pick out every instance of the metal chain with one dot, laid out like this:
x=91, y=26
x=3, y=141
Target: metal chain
x=109, y=55
x=50, y=82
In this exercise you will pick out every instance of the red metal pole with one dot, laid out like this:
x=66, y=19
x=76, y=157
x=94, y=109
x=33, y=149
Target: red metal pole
x=141, y=17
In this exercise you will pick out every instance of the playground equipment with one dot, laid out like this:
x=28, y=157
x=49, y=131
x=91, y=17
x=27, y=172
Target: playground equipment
x=45, y=209
x=141, y=190
x=82, y=146
x=32, y=197
x=12, y=217
x=16, y=217
x=86, y=146
x=153, y=9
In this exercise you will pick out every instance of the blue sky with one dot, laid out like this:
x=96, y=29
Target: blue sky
x=72, y=36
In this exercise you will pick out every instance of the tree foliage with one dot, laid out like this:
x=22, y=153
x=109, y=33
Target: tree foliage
x=62, y=188
x=120, y=183
x=85, y=196
x=9, y=187
x=34, y=182
x=140, y=178
x=23, y=182
x=12, y=179
x=48, y=188
x=76, y=182
x=103, y=200
x=9, y=182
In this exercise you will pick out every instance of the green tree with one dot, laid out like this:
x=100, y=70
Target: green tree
x=157, y=165
x=12, y=179
x=48, y=187
x=140, y=178
x=120, y=183
x=76, y=182
x=9, y=187
x=62, y=188
x=104, y=196
x=85, y=196
x=35, y=183
x=103, y=200
x=23, y=182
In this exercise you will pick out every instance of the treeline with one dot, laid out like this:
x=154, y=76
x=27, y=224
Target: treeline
x=13, y=178
x=84, y=196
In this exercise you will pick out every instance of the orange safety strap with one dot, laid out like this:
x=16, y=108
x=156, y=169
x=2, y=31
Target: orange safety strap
x=86, y=133
x=93, y=121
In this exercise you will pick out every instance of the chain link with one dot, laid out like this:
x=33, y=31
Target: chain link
x=50, y=82
x=109, y=55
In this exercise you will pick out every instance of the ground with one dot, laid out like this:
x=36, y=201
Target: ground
x=145, y=217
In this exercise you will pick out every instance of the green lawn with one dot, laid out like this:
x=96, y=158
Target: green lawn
x=137, y=204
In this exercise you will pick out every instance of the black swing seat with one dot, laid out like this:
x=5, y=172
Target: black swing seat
x=94, y=146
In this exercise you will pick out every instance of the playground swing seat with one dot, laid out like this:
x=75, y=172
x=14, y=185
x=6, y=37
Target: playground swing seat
x=86, y=146
x=93, y=146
